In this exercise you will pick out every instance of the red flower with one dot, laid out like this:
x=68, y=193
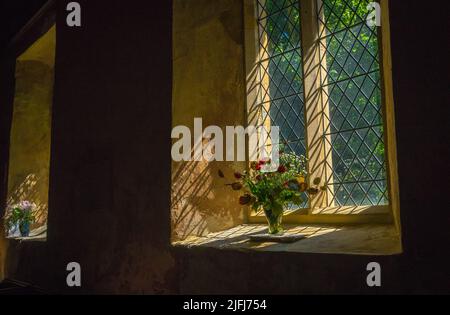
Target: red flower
x=282, y=169
x=237, y=175
x=258, y=167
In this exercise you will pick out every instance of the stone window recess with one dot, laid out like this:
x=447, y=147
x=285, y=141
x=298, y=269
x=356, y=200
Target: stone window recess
x=30, y=139
x=319, y=72
x=316, y=69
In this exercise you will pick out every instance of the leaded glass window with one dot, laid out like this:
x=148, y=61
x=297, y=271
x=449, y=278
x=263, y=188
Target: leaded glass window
x=348, y=94
x=281, y=92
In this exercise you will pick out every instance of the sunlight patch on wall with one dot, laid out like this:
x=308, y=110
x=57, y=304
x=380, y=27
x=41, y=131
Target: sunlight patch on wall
x=29, y=159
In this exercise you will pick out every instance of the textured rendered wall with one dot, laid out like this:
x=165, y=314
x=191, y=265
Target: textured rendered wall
x=29, y=154
x=208, y=82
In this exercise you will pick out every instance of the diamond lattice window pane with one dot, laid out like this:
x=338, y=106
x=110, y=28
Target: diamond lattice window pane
x=280, y=67
x=281, y=101
x=350, y=60
x=337, y=15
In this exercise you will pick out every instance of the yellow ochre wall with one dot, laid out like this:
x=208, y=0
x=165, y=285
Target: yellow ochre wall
x=208, y=82
x=29, y=161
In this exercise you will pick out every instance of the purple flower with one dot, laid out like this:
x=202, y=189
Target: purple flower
x=26, y=206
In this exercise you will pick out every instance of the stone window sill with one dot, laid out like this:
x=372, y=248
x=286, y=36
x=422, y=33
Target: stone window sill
x=37, y=235
x=325, y=239
x=29, y=239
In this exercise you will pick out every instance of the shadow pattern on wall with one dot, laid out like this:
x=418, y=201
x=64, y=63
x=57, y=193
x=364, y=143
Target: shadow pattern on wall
x=30, y=137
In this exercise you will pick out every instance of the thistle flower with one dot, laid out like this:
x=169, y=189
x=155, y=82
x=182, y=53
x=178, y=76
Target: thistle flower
x=245, y=200
x=236, y=186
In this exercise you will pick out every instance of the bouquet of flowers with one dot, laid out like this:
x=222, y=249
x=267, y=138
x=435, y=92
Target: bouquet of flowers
x=274, y=191
x=20, y=216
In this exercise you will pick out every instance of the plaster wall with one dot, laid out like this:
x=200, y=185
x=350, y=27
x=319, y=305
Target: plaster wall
x=208, y=82
x=29, y=154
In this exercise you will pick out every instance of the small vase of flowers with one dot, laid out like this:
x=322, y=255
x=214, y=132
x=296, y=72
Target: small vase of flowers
x=20, y=216
x=273, y=191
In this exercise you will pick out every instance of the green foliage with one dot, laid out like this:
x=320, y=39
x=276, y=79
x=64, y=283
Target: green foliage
x=274, y=190
x=17, y=215
x=20, y=214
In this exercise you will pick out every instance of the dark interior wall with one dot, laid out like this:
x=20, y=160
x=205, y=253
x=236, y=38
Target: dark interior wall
x=421, y=91
x=110, y=169
x=14, y=15
x=110, y=156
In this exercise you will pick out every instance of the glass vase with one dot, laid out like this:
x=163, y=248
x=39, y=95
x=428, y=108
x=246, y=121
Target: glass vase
x=24, y=228
x=274, y=220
